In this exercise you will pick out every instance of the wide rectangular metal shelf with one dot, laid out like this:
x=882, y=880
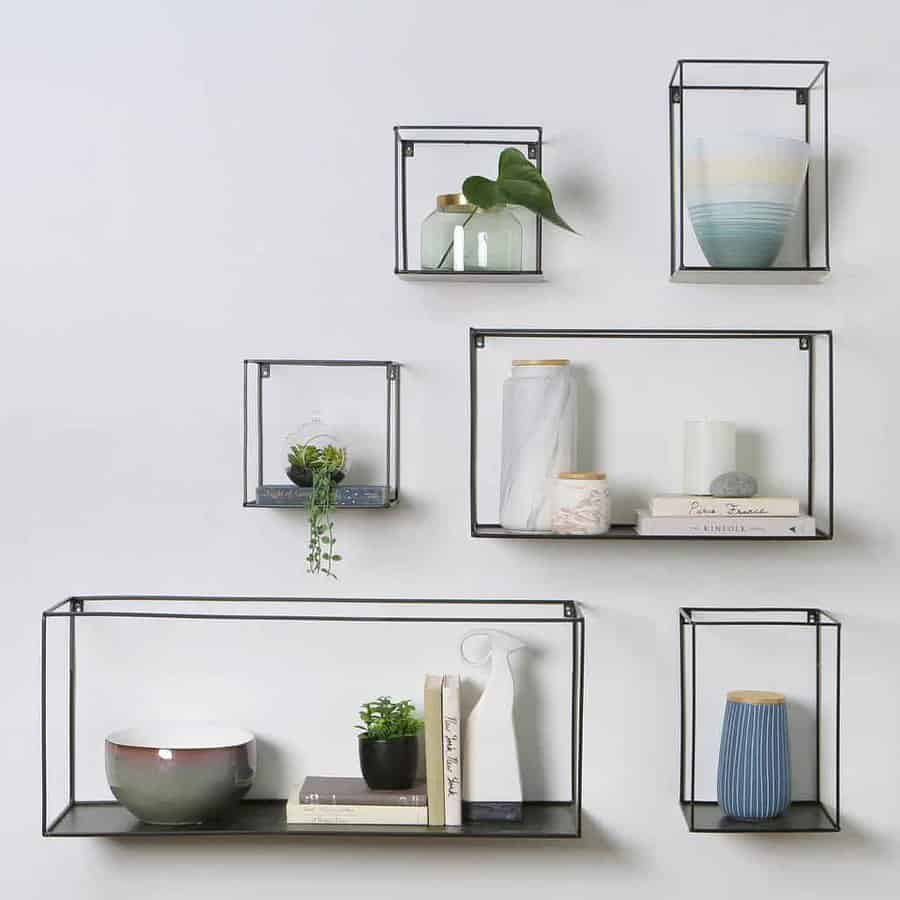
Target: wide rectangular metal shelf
x=784, y=275
x=629, y=533
x=267, y=817
x=802, y=815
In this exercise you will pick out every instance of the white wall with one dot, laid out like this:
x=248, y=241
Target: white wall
x=187, y=184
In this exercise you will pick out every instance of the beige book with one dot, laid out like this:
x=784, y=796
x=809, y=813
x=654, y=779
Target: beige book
x=434, y=754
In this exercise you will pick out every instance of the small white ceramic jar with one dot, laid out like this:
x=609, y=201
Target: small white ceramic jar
x=580, y=503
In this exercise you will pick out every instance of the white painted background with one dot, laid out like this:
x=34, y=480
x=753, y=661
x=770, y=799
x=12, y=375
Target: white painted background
x=187, y=184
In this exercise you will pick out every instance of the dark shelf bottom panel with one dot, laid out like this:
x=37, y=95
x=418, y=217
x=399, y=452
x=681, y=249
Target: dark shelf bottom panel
x=111, y=819
x=803, y=815
x=628, y=532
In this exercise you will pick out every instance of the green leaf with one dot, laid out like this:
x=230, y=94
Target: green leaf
x=518, y=182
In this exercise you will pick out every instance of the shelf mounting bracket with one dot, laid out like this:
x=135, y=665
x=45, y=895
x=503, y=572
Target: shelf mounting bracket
x=802, y=96
x=674, y=94
x=264, y=370
x=409, y=148
x=479, y=341
x=804, y=342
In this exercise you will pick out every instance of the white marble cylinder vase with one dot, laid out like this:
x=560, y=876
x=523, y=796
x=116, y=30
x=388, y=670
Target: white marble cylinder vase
x=709, y=451
x=538, y=440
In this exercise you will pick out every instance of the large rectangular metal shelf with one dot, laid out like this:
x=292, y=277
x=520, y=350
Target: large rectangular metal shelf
x=802, y=815
x=68, y=813
x=629, y=533
x=110, y=819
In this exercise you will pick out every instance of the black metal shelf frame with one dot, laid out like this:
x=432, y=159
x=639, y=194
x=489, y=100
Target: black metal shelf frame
x=387, y=495
x=806, y=342
x=680, y=87
x=406, y=137
x=811, y=815
x=266, y=816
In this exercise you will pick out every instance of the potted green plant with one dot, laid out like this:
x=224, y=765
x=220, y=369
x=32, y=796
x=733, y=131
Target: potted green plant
x=322, y=469
x=389, y=743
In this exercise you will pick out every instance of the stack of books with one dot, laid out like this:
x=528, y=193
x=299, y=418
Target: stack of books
x=327, y=800
x=323, y=800
x=689, y=516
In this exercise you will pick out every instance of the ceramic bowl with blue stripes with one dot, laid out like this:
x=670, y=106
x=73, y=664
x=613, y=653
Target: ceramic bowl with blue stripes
x=742, y=193
x=754, y=780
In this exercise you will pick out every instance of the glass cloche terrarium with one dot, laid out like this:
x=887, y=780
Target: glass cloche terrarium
x=313, y=447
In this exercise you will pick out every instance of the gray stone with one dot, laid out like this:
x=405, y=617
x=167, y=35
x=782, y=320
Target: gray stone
x=734, y=484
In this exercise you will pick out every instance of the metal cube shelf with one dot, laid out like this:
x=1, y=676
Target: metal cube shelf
x=407, y=138
x=107, y=818
x=818, y=813
x=798, y=91
x=814, y=400
x=348, y=496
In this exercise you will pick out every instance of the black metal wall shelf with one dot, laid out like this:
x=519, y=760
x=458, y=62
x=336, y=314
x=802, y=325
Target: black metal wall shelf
x=266, y=816
x=412, y=139
x=382, y=494
x=814, y=399
x=820, y=813
x=796, y=96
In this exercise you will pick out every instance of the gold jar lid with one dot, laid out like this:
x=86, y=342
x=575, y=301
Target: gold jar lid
x=454, y=203
x=540, y=362
x=770, y=698
x=583, y=476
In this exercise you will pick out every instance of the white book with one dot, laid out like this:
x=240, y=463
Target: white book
x=734, y=507
x=725, y=526
x=332, y=814
x=452, y=751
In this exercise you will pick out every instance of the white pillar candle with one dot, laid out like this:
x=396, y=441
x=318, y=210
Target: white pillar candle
x=709, y=451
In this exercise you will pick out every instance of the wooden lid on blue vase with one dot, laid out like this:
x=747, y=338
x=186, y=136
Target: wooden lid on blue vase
x=758, y=697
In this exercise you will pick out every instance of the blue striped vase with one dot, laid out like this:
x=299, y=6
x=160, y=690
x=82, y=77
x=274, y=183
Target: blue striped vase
x=754, y=757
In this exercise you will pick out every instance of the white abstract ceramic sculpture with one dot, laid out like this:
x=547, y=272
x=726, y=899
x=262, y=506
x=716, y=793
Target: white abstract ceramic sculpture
x=538, y=442
x=492, y=782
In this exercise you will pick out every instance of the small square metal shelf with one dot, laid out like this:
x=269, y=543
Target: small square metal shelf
x=767, y=647
x=473, y=150
x=778, y=385
x=785, y=98
x=294, y=389
x=90, y=629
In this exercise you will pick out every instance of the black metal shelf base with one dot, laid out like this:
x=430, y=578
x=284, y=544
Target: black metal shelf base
x=629, y=533
x=267, y=817
x=802, y=815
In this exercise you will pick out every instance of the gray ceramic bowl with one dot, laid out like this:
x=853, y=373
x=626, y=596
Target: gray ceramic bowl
x=180, y=773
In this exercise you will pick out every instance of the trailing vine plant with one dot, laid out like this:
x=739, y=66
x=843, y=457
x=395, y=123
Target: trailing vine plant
x=326, y=468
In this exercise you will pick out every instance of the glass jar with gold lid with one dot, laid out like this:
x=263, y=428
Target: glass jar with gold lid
x=459, y=237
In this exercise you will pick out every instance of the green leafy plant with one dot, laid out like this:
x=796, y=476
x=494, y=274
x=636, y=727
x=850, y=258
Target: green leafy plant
x=326, y=467
x=385, y=720
x=519, y=183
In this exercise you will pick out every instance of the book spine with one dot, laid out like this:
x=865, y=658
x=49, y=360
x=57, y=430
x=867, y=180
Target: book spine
x=729, y=507
x=717, y=526
x=328, y=814
x=451, y=747
x=434, y=756
x=350, y=800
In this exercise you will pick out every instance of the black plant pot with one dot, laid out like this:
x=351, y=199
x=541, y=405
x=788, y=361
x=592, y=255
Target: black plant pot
x=302, y=476
x=389, y=765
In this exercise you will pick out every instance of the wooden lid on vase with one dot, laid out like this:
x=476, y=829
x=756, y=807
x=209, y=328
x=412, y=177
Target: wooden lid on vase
x=759, y=697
